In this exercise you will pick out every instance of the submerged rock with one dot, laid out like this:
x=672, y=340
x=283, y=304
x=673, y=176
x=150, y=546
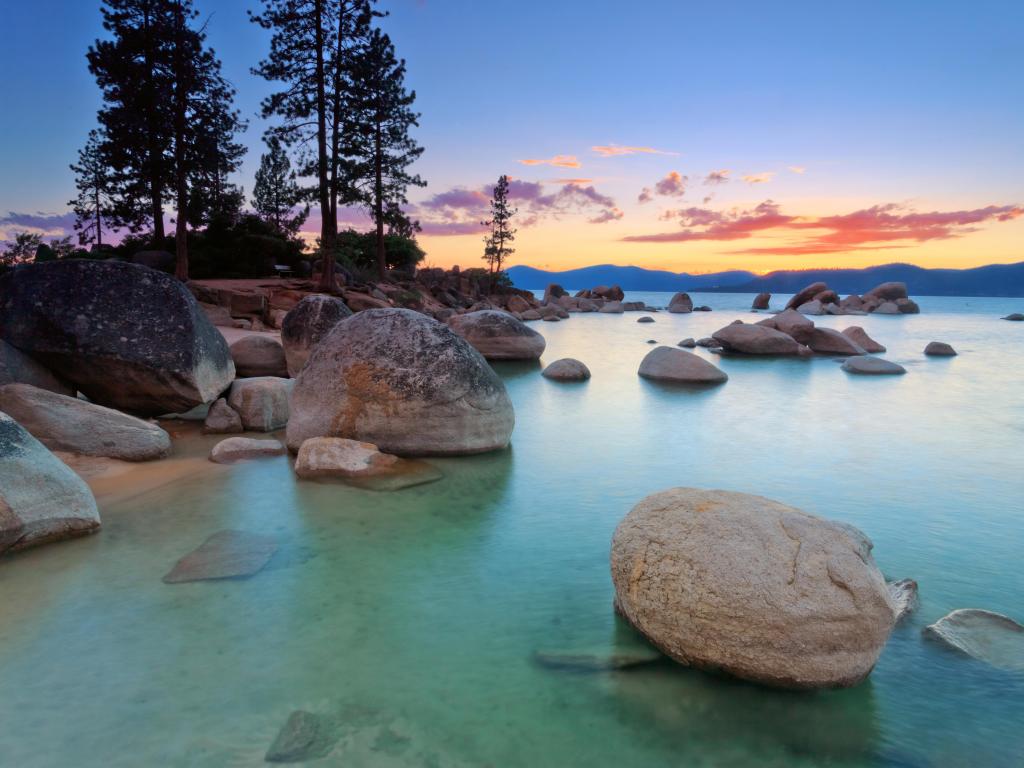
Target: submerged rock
x=756, y=340
x=904, y=597
x=872, y=366
x=308, y=322
x=751, y=587
x=598, y=659
x=939, y=349
x=257, y=355
x=241, y=448
x=304, y=736
x=360, y=464
x=405, y=383
x=226, y=554
x=18, y=368
x=990, y=637
x=498, y=336
x=63, y=423
x=566, y=369
x=860, y=337
x=41, y=498
x=261, y=402
x=222, y=419
x=126, y=336
x=681, y=303
x=677, y=365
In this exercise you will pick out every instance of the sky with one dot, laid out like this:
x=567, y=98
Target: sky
x=680, y=135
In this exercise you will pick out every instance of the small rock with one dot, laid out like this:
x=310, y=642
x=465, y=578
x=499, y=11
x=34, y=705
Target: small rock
x=226, y=554
x=308, y=322
x=811, y=308
x=360, y=464
x=887, y=308
x=551, y=319
x=761, y=301
x=241, y=448
x=498, y=336
x=872, y=366
x=990, y=637
x=806, y=295
x=566, y=369
x=939, y=349
x=702, y=308
x=258, y=356
x=1015, y=317
x=690, y=343
x=827, y=341
x=859, y=336
x=756, y=340
x=904, y=597
x=222, y=419
x=261, y=402
x=888, y=291
x=304, y=736
x=645, y=319
x=709, y=342
x=676, y=365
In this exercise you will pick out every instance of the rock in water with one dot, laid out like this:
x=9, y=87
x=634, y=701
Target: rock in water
x=225, y=555
x=939, y=349
x=681, y=304
x=222, y=419
x=308, y=322
x=261, y=402
x=126, y=336
x=257, y=355
x=305, y=736
x=689, y=343
x=404, y=382
x=63, y=423
x=806, y=295
x=872, y=366
x=827, y=341
x=677, y=365
x=752, y=587
x=612, y=308
x=18, y=368
x=566, y=369
x=234, y=449
x=761, y=301
x=756, y=340
x=645, y=319
x=888, y=291
x=791, y=323
x=360, y=464
x=41, y=498
x=498, y=336
x=904, y=597
x=598, y=659
x=1015, y=317
x=860, y=337
x=990, y=637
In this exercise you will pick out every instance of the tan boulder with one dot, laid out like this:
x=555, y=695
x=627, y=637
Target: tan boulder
x=756, y=340
x=261, y=402
x=860, y=337
x=671, y=364
x=497, y=335
x=233, y=449
x=566, y=369
x=258, y=355
x=360, y=464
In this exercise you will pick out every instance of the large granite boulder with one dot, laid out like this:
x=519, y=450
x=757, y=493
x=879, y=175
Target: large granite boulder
x=756, y=340
x=41, y=498
x=751, y=587
x=681, y=304
x=679, y=366
x=258, y=355
x=806, y=295
x=828, y=341
x=761, y=301
x=308, y=322
x=987, y=636
x=791, y=323
x=554, y=292
x=261, y=402
x=404, y=382
x=888, y=291
x=63, y=423
x=498, y=336
x=860, y=337
x=126, y=336
x=18, y=368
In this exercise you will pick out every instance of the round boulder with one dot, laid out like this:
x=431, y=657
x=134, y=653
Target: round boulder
x=498, y=336
x=756, y=340
x=404, y=382
x=566, y=369
x=939, y=349
x=872, y=366
x=308, y=322
x=754, y=588
x=679, y=366
x=258, y=355
x=681, y=304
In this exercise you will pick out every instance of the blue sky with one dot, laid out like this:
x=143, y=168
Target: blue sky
x=891, y=112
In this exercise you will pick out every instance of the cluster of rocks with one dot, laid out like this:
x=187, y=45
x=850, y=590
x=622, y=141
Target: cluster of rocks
x=819, y=299
x=557, y=303
x=790, y=333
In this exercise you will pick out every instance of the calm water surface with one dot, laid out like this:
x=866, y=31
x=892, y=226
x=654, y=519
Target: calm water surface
x=414, y=616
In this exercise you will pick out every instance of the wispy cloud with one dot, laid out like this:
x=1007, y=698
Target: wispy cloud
x=46, y=224
x=611, y=214
x=559, y=161
x=759, y=178
x=798, y=169
x=715, y=178
x=616, y=150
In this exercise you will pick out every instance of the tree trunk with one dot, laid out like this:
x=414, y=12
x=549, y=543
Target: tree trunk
x=180, y=172
x=328, y=233
x=156, y=209
x=378, y=201
x=99, y=218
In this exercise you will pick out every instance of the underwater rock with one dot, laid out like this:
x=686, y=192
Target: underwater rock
x=227, y=554
x=984, y=635
x=360, y=464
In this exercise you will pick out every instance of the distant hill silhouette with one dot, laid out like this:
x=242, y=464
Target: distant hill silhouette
x=992, y=280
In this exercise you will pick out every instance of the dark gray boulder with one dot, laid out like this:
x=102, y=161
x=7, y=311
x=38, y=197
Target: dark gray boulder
x=939, y=349
x=308, y=322
x=126, y=336
x=18, y=368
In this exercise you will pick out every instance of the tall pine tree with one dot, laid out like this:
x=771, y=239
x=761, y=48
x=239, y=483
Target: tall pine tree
x=276, y=193
x=496, y=244
x=94, y=202
x=381, y=114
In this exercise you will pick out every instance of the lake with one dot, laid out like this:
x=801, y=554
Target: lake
x=413, y=618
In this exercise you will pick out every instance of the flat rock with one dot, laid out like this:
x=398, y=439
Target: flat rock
x=939, y=349
x=566, y=369
x=258, y=355
x=126, y=336
x=989, y=637
x=828, y=341
x=671, y=364
x=404, y=382
x=645, y=319
x=261, y=403
x=227, y=554
x=304, y=736
x=360, y=464
x=41, y=498
x=756, y=340
x=63, y=423
x=498, y=336
x=222, y=419
x=904, y=597
x=872, y=366
x=18, y=368
x=860, y=337
x=751, y=587
x=1015, y=317
x=235, y=449
x=689, y=343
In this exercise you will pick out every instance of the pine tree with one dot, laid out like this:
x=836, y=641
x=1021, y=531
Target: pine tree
x=496, y=244
x=276, y=193
x=311, y=48
x=93, y=181
x=381, y=115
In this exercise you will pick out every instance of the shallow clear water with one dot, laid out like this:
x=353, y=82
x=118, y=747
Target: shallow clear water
x=414, y=616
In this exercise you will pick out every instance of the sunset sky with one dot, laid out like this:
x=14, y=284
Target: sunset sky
x=674, y=135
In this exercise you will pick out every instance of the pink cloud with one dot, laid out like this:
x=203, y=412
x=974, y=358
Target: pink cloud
x=715, y=178
x=614, y=150
x=673, y=185
x=559, y=161
x=645, y=196
x=611, y=214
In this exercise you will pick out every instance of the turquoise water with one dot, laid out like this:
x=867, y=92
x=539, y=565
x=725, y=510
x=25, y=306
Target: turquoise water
x=413, y=617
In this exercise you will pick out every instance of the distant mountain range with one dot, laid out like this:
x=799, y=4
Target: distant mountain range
x=992, y=280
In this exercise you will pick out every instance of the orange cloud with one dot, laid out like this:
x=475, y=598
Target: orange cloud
x=797, y=169
x=759, y=178
x=559, y=161
x=614, y=150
